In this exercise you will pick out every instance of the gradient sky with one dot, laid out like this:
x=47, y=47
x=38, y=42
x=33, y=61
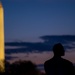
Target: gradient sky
x=28, y=19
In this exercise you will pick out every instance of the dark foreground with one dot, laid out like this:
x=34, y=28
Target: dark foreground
x=21, y=68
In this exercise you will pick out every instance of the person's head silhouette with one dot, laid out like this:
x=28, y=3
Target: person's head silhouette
x=58, y=50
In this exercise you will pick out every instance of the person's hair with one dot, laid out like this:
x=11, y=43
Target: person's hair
x=58, y=49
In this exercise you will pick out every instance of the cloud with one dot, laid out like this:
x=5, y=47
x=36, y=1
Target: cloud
x=13, y=47
x=48, y=41
x=39, y=58
x=39, y=52
x=26, y=47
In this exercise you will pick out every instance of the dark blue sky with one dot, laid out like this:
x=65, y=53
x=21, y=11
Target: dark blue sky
x=30, y=19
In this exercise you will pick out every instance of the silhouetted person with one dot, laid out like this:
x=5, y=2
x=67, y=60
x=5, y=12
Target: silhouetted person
x=58, y=65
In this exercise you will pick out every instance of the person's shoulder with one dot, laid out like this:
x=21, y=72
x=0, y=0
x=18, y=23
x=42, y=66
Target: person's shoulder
x=48, y=61
x=69, y=66
x=67, y=61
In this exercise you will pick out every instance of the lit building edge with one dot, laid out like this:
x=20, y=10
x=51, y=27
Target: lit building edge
x=2, y=56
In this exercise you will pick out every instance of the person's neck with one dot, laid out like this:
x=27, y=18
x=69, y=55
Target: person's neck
x=56, y=56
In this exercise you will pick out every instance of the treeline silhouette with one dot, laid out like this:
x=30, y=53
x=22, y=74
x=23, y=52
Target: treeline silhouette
x=21, y=68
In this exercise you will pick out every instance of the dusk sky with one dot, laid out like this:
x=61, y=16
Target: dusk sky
x=30, y=19
x=33, y=21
